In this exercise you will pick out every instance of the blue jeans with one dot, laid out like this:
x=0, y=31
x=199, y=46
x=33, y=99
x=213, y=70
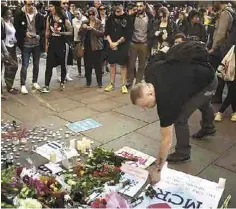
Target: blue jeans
x=26, y=53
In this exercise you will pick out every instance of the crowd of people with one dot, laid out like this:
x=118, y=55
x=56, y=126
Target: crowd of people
x=107, y=36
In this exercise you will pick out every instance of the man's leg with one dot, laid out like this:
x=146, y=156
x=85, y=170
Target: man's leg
x=36, y=59
x=26, y=52
x=201, y=101
x=142, y=58
x=133, y=54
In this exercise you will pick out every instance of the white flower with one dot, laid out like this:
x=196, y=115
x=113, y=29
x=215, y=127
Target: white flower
x=23, y=23
x=30, y=203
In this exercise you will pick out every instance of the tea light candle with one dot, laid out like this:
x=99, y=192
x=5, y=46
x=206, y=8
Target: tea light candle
x=23, y=141
x=72, y=143
x=16, y=141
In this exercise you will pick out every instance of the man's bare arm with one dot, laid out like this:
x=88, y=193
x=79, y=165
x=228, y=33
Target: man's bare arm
x=166, y=142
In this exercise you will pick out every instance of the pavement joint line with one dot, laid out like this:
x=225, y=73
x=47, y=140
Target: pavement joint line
x=219, y=156
x=13, y=116
x=130, y=117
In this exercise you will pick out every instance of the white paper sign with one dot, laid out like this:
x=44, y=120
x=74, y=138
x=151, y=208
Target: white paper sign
x=180, y=190
x=144, y=160
x=138, y=178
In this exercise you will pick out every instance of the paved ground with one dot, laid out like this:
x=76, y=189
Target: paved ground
x=123, y=124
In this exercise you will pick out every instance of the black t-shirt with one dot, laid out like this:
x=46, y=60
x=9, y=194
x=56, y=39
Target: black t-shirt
x=175, y=82
x=119, y=26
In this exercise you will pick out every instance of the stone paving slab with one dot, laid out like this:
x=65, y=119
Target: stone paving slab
x=77, y=114
x=132, y=111
x=200, y=159
x=104, y=106
x=52, y=122
x=228, y=160
x=122, y=99
x=135, y=141
x=96, y=98
x=213, y=173
x=114, y=125
x=218, y=143
x=64, y=104
x=152, y=130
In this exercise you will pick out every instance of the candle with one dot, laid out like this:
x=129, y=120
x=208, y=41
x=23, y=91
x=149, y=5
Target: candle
x=53, y=157
x=87, y=144
x=79, y=145
x=72, y=143
x=83, y=148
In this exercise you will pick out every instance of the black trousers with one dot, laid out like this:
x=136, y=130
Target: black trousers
x=230, y=98
x=26, y=53
x=93, y=59
x=201, y=101
x=10, y=70
x=56, y=56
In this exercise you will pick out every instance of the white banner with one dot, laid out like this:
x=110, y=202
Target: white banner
x=180, y=190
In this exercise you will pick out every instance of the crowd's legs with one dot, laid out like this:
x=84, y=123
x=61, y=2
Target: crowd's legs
x=26, y=53
x=140, y=51
x=10, y=70
x=93, y=59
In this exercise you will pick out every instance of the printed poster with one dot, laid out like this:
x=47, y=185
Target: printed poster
x=83, y=125
x=144, y=160
x=180, y=190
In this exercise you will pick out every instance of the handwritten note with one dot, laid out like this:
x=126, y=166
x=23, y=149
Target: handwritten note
x=143, y=160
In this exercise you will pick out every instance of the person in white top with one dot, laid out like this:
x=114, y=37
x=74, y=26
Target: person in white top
x=10, y=43
x=76, y=23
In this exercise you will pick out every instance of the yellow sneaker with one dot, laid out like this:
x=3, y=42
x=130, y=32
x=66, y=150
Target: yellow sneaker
x=109, y=88
x=124, y=90
x=233, y=118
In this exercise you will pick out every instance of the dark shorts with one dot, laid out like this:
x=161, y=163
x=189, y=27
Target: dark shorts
x=119, y=56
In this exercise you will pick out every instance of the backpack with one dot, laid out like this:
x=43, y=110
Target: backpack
x=231, y=35
x=226, y=69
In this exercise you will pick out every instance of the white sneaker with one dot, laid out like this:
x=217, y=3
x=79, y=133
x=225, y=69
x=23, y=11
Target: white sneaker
x=59, y=79
x=233, y=118
x=35, y=86
x=218, y=117
x=68, y=78
x=24, y=90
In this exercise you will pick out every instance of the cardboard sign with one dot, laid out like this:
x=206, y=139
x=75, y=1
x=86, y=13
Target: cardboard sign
x=83, y=125
x=138, y=178
x=144, y=160
x=180, y=190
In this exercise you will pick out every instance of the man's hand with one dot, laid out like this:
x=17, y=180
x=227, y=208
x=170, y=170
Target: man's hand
x=84, y=26
x=210, y=51
x=154, y=174
x=89, y=28
x=113, y=45
x=28, y=35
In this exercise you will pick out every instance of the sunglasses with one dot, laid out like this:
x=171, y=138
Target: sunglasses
x=65, y=3
x=118, y=11
x=102, y=9
x=91, y=14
